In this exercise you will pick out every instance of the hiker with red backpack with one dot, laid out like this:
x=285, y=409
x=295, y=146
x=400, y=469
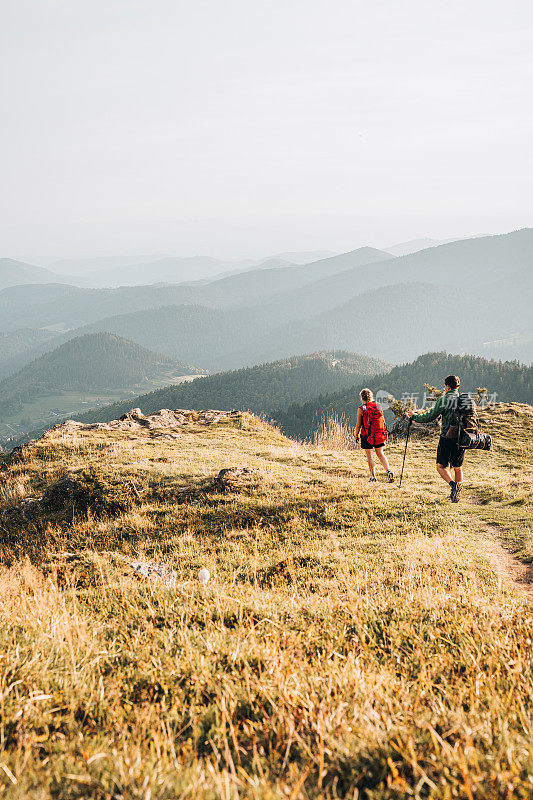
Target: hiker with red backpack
x=371, y=430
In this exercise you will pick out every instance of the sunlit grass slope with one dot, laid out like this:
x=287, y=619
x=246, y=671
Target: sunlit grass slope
x=353, y=640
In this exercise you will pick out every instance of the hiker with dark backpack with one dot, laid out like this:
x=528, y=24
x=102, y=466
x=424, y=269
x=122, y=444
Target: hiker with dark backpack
x=449, y=452
x=371, y=430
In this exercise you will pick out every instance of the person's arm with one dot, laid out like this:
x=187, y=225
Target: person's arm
x=358, y=423
x=430, y=415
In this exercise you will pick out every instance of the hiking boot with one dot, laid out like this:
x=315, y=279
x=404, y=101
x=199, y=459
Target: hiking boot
x=453, y=492
x=457, y=495
x=390, y=476
x=373, y=480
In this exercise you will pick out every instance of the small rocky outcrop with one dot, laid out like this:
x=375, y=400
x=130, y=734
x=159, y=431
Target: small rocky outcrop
x=234, y=477
x=164, y=418
x=20, y=453
x=228, y=479
x=163, y=424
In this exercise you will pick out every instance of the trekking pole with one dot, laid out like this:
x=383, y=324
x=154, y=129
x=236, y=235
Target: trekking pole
x=405, y=451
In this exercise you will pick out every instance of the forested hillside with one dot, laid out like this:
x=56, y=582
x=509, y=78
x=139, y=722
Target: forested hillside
x=21, y=340
x=94, y=362
x=260, y=389
x=71, y=306
x=510, y=381
x=395, y=322
x=297, y=392
x=190, y=333
x=196, y=334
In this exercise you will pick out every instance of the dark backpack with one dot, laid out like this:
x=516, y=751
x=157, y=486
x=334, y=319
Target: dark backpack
x=373, y=424
x=465, y=426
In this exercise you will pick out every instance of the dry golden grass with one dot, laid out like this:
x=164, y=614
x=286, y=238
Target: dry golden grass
x=353, y=641
x=334, y=433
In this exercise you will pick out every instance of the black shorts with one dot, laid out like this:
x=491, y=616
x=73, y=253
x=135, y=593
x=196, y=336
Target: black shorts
x=366, y=446
x=449, y=452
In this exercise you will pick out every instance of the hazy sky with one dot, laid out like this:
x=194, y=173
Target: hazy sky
x=236, y=127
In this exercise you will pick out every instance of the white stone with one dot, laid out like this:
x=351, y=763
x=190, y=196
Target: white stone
x=203, y=576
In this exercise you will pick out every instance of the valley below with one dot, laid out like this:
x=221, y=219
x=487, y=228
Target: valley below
x=48, y=410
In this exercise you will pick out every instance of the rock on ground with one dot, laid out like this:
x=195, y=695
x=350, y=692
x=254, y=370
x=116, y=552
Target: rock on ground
x=233, y=476
x=150, y=570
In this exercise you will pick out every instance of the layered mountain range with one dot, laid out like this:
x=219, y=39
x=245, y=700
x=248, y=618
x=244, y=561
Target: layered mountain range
x=472, y=295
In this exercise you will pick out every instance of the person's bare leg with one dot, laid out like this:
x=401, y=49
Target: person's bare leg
x=456, y=489
x=371, y=465
x=445, y=473
x=383, y=458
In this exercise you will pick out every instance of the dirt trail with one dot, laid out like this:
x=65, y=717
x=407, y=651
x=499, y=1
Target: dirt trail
x=509, y=569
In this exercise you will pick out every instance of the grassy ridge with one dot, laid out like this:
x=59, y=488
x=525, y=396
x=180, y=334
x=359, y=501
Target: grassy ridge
x=352, y=642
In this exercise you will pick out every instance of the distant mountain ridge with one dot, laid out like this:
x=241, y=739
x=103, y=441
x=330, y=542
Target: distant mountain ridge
x=163, y=270
x=74, y=306
x=17, y=273
x=479, y=261
x=109, y=272
x=414, y=245
x=86, y=266
x=93, y=309
x=462, y=296
x=396, y=322
x=304, y=257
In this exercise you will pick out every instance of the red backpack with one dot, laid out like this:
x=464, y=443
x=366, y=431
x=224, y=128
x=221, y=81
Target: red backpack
x=374, y=427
